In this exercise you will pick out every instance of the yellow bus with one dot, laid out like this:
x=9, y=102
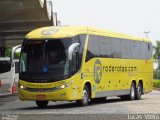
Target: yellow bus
x=83, y=64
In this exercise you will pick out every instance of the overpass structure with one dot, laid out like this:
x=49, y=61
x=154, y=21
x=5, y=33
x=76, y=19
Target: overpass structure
x=18, y=17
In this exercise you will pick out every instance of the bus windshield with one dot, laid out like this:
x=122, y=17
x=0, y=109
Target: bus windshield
x=44, y=60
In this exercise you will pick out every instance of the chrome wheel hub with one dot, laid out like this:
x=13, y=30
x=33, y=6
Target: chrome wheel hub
x=132, y=92
x=85, y=96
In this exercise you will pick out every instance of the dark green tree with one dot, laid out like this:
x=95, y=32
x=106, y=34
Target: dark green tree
x=156, y=54
x=8, y=53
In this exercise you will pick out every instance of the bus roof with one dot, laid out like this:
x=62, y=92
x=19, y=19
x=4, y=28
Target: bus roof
x=70, y=31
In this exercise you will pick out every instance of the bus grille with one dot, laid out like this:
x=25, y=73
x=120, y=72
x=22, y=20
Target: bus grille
x=42, y=89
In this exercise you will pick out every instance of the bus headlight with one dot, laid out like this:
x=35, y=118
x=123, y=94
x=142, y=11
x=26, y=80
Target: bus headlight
x=45, y=89
x=63, y=86
x=22, y=87
x=66, y=85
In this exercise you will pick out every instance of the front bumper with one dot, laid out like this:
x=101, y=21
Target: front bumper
x=59, y=95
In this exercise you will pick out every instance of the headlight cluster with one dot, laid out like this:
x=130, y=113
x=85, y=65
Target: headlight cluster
x=45, y=89
x=21, y=86
x=66, y=85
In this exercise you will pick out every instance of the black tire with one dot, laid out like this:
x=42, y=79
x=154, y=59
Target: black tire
x=132, y=94
x=42, y=104
x=85, y=97
x=96, y=100
x=139, y=92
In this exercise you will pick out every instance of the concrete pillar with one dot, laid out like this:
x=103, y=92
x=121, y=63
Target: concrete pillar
x=2, y=48
x=2, y=51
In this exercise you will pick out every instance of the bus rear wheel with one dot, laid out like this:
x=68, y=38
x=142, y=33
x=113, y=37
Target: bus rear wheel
x=42, y=103
x=139, y=91
x=85, y=97
x=132, y=94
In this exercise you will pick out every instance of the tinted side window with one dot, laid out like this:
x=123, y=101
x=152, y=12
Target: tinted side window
x=143, y=50
x=126, y=48
x=105, y=47
x=135, y=48
x=93, y=47
x=5, y=66
x=82, y=43
x=116, y=50
x=81, y=49
x=78, y=53
x=149, y=50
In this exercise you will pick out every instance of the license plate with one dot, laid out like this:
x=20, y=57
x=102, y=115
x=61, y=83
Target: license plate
x=41, y=96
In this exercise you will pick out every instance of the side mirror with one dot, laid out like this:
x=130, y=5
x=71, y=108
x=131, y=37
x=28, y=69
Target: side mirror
x=12, y=53
x=75, y=61
x=71, y=49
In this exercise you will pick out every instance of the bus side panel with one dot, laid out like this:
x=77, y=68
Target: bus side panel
x=76, y=88
x=114, y=76
x=148, y=86
x=87, y=74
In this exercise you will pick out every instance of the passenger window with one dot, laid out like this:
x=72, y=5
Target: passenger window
x=105, y=50
x=116, y=51
x=135, y=48
x=149, y=50
x=93, y=47
x=143, y=50
x=126, y=48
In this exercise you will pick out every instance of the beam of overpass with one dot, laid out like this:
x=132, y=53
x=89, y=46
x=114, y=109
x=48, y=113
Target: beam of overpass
x=18, y=17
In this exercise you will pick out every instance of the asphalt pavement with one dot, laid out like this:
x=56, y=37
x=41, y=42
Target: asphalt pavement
x=113, y=108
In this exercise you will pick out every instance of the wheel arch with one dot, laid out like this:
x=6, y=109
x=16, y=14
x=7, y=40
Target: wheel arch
x=89, y=85
x=134, y=81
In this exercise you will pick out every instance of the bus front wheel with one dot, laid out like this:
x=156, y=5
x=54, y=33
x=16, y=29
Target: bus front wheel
x=42, y=103
x=85, y=97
